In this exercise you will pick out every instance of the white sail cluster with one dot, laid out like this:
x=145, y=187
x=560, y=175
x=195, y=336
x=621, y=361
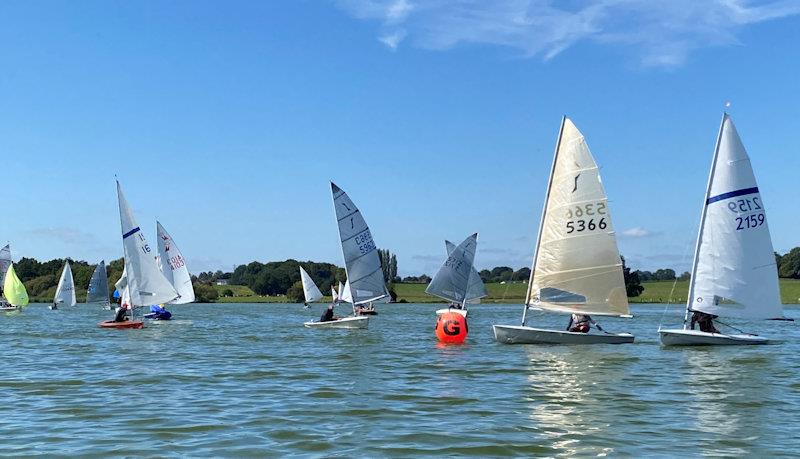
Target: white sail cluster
x=455, y=280
x=65, y=291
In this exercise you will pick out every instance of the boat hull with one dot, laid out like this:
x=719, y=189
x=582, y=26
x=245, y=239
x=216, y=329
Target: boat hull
x=125, y=324
x=681, y=337
x=511, y=334
x=345, y=322
x=8, y=308
x=463, y=312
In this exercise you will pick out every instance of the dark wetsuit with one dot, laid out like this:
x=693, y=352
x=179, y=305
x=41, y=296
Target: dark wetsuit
x=705, y=321
x=120, y=317
x=327, y=316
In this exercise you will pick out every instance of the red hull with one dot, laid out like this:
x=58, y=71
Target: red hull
x=126, y=324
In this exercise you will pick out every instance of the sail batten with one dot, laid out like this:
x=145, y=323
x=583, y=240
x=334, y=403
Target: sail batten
x=734, y=273
x=577, y=260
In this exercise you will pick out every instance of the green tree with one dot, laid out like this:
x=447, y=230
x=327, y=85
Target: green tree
x=204, y=293
x=633, y=286
x=295, y=293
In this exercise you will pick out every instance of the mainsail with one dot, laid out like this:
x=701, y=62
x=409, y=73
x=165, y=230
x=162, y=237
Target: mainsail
x=310, y=289
x=5, y=262
x=577, y=266
x=734, y=272
x=98, y=285
x=452, y=280
x=173, y=265
x=475, y=288
x=65, y=292
x=145, y=281
x=364, y=274
x=14, y=289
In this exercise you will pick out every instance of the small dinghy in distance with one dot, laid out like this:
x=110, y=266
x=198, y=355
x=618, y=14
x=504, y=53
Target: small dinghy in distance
x=65, y=292
x=365, y=282
x=16, y=296
x=173, y=265
x=142, y=283
x=577, y=268
x=457, y=281
x=734, y=273
x=97, y=292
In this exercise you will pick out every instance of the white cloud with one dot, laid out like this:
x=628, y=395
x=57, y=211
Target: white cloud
x=659, y=33
x=637, y=232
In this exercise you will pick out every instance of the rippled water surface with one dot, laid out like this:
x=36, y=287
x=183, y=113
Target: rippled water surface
x=246, y=379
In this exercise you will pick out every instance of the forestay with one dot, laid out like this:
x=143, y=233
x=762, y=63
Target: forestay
x=363, y=267
x=173, y=265
x=475, y=288
x=310, y=289
x=146, y=284
x=452, y=280
x=735, y=273
x=65, y=291
x=5, y=262
x=577, y=266
x=98, y=285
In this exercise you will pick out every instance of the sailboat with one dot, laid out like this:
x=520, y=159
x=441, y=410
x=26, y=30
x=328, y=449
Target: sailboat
x=14, y=291
x=310, y=290
x=365, y=282
x=98, y=287
x=577, y=268
x=145, y=284
x=457, y=281
x=733, y=272
x=5, y=263
x=65, y=292
x=178, y=273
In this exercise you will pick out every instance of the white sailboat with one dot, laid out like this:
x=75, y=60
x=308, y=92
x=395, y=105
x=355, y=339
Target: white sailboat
x=5, y=263
x=457, y=281
x=173, y=266
x=65, y=291
x=310, y=290
x=733, y=272
x=145, y=284
x=365, y=282
x=98, y=287
x=577, y=268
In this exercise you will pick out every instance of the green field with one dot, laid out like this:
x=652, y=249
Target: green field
x=654, y=292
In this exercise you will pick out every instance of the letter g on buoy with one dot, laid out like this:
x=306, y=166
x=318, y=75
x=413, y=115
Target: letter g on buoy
x=451, y=328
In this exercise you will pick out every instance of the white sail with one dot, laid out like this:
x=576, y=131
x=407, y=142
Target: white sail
x=475, y=288
x=452, y=279
x=98, y=285
x=5, y=262
x=145, y=281
x=340, y=292
x=735, y=272
x=65, y=292
x=334, y=295
x=577, y=267
x=346, y=295
x=173, y=265
x=310, y=289
x=363, y=267
x=122, y=282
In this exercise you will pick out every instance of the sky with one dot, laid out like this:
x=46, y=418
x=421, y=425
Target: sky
x=226, y=121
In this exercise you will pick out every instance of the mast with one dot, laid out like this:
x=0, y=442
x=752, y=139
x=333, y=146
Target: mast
x=696, y=259
x=541, y=222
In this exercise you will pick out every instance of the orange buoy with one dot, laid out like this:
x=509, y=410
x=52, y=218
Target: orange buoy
x=451, y=328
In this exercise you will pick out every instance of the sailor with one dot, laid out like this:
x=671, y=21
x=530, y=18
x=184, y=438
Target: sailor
x=120, y=315
x=705, y=321
x=327, y=316
x=579, y=323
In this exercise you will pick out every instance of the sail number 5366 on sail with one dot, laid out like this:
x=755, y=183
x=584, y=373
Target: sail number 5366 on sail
x=586, y=217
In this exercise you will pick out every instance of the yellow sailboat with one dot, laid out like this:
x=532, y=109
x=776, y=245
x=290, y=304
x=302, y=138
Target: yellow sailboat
x=14, y=291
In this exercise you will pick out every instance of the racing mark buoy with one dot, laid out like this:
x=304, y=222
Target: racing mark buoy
x=451, y=328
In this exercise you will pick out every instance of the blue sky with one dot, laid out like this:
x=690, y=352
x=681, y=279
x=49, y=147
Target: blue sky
x=226, y=120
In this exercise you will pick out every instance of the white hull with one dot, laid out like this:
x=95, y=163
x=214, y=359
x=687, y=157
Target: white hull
x=511, y=334
x=463, y=312
x=8, y=308
x=682, y=337
x=345, y=322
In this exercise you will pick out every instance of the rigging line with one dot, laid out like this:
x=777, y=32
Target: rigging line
x=731, y=326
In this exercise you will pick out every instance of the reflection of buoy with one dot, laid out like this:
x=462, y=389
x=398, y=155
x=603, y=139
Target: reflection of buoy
x=451, y=328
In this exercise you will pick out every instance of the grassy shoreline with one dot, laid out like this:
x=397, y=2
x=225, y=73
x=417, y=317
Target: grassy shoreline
x=514, y=293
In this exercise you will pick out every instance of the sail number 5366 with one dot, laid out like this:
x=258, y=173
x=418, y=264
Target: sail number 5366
x=585, y=217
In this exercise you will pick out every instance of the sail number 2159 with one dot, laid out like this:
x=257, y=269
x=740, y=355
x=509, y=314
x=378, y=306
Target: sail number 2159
x=585, y=217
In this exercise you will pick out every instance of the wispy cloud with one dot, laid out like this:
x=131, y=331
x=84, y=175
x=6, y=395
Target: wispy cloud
x=658, y=33
x=637, y=232
x=66, y=235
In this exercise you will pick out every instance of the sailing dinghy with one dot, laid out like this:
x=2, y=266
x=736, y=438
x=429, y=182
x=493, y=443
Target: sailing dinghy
x=14, y=291
x=5, y=263
x=365, y=282
x=65, y=292
x=98, y=287
x=733, y=271
x=457, y=281
x=176, y=271
x=577, y=268
x=311, y=292
x=144, y=282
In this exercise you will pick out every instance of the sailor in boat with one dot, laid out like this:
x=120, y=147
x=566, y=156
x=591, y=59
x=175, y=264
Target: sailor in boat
x=328, y=316
x=54, y=306
x=159, y=312
x=705, y=321
x=121, y=314
x=581, y=323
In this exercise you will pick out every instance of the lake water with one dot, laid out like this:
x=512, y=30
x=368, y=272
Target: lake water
x=249, y=380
